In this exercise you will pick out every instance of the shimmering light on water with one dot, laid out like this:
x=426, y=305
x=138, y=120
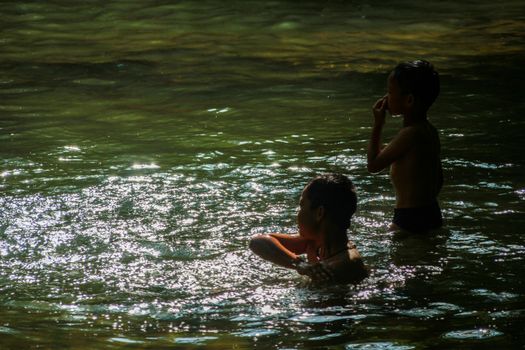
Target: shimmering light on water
x=143, y=143
x=473, y=334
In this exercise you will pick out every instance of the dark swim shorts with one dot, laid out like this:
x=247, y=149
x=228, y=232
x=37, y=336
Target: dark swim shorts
x=419, y=219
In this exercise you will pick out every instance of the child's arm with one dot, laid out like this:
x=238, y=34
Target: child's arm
x=284, y=250
x=374, y=145
x=279, y=249
x=399, y=146
x=378, y=156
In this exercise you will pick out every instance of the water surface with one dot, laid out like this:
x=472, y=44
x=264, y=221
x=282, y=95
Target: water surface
x=143, y=143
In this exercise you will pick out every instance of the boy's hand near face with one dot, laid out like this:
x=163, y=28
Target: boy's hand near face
x=374, y=145
x=379, y=110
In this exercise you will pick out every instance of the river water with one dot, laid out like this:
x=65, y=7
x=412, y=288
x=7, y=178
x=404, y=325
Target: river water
x=144, y=142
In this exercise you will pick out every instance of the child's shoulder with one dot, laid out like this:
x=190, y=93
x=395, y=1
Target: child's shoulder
x=347, y=264
x=350, y=268
x=422, y=130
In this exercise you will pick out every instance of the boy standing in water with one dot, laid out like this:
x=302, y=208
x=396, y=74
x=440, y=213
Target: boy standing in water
x=326, y=207
x=414, y=153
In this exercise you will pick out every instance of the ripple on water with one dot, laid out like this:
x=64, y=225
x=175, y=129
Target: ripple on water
x=473, y=334
x=326, y=337
x=320, y=318
x=94, y=82
x=7, y=330
x=421, y=312
x=256, y=332
x=194, y=340
x=447, y=307
x=474, y=164
x=503, y=297
x=125, y=341
x=378, y=346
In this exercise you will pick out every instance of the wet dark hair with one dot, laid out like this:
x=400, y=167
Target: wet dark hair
x=419, y=79
x=336, y=193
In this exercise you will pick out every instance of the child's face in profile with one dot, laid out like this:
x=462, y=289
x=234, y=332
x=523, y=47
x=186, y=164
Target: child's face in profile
x=396, y=100
x=306, y=217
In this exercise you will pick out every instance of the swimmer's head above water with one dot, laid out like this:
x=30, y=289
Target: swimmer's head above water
x=414, y=83
x=330, y=196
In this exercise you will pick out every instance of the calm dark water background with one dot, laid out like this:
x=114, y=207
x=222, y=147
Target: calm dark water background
x=144, y=142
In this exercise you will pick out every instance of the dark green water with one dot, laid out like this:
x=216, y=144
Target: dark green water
x=144, y=142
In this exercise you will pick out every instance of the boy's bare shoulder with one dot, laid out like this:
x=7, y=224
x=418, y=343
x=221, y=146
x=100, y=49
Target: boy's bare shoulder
x=420, y=133
x=407, y=135
x=424, y=129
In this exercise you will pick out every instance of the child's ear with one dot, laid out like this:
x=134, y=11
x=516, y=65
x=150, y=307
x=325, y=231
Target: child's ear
x=319, y=214
x=410, y=100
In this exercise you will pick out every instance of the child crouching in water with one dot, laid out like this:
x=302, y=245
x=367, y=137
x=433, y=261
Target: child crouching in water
x=326, y=207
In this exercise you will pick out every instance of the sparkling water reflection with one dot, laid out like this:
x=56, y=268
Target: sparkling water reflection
x=144, y=143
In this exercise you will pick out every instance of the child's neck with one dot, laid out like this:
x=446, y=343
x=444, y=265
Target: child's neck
x=333, y=243
x=413, y=117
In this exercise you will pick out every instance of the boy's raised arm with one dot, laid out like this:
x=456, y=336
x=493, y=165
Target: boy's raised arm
x=374, y=145
x=379, y=158
x=398, y=147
